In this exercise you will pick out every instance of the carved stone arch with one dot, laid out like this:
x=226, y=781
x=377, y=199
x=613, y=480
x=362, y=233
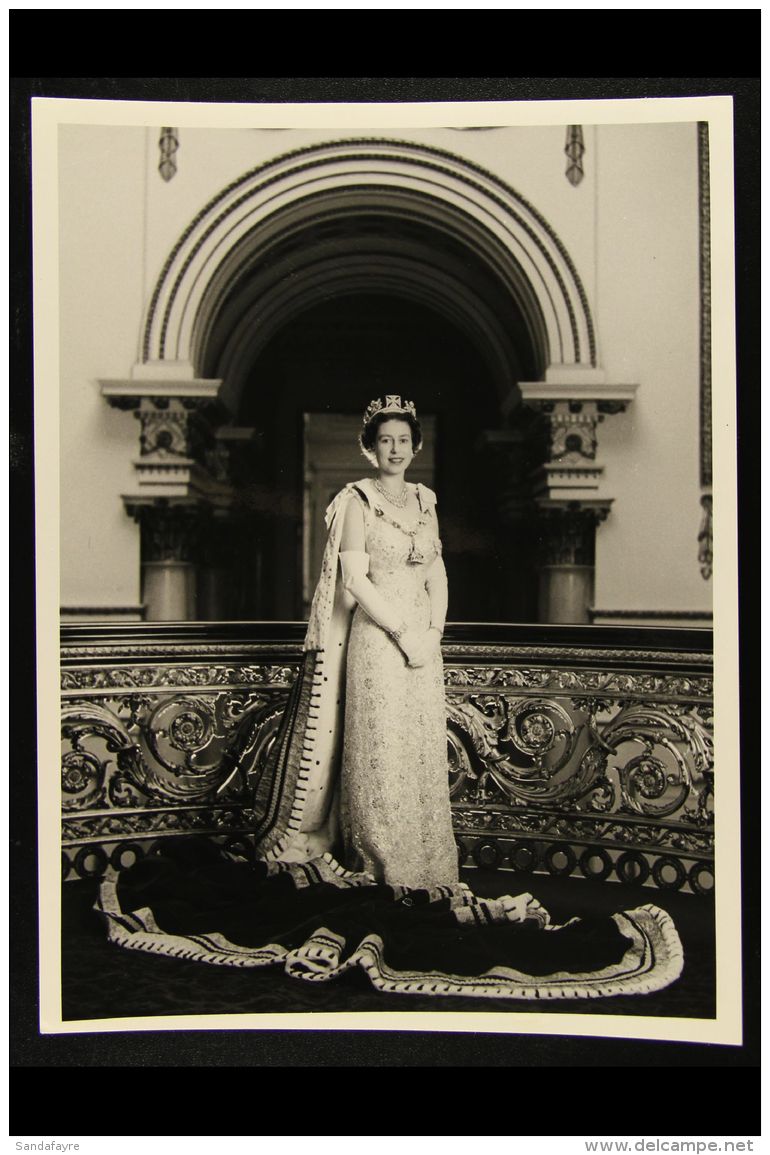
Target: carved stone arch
x=363, y=242
x=347, y=218
x=269, y=203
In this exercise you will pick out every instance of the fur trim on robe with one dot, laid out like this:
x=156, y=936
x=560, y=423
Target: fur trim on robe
x=296, y=800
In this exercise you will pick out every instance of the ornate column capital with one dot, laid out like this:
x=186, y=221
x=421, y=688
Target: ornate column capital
x=159, y=380
x=179, y=456
x=171, y=531
x=572, y=402
x=564, y=383
x=570, y=470
x=567, y=531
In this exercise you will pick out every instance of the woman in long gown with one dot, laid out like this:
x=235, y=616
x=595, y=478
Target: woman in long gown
x=363, y=754
x=360, y=762
x=395, y=809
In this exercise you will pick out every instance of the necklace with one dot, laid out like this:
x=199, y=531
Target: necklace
x=398, y=500
x=416, y=556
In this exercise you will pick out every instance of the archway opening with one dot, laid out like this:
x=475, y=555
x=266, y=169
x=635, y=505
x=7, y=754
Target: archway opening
x=322, y=194
x=343, y=294
x=331, y=359
x=461, y=288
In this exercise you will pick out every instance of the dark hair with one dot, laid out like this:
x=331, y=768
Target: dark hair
x=369, y=431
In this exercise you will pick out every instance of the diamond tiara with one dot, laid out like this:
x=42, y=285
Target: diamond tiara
x=392, y=404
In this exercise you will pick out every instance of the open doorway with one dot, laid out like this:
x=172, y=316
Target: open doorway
x=331, y=460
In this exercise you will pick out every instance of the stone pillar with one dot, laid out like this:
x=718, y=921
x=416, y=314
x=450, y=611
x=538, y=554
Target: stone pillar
x=168, y=591
x=180, y=481
x=171, y=536
x=566, y=514
x=567, y=556
x=568, y=504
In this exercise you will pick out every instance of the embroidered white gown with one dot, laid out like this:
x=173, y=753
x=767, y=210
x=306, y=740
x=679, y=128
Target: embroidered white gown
x=394, y=801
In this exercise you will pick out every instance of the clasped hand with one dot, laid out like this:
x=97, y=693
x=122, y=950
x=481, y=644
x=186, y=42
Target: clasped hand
x=419, y=646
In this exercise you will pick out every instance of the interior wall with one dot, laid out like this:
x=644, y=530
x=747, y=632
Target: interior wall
x=102, y=181
x=648, y=317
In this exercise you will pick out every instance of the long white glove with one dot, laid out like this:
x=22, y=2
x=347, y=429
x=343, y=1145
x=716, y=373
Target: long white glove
x=355, y=570
x=438, y=592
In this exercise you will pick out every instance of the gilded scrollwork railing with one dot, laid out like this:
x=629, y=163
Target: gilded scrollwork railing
x=596, y=771
x=163, y=738
x=568, y=754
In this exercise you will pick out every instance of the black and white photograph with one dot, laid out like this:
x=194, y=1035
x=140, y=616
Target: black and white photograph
x=386, y=498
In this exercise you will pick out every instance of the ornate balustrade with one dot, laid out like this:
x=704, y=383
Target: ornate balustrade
x=572, y=750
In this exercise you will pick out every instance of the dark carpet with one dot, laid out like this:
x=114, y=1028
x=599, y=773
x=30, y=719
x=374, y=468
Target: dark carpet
x=100, y=980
